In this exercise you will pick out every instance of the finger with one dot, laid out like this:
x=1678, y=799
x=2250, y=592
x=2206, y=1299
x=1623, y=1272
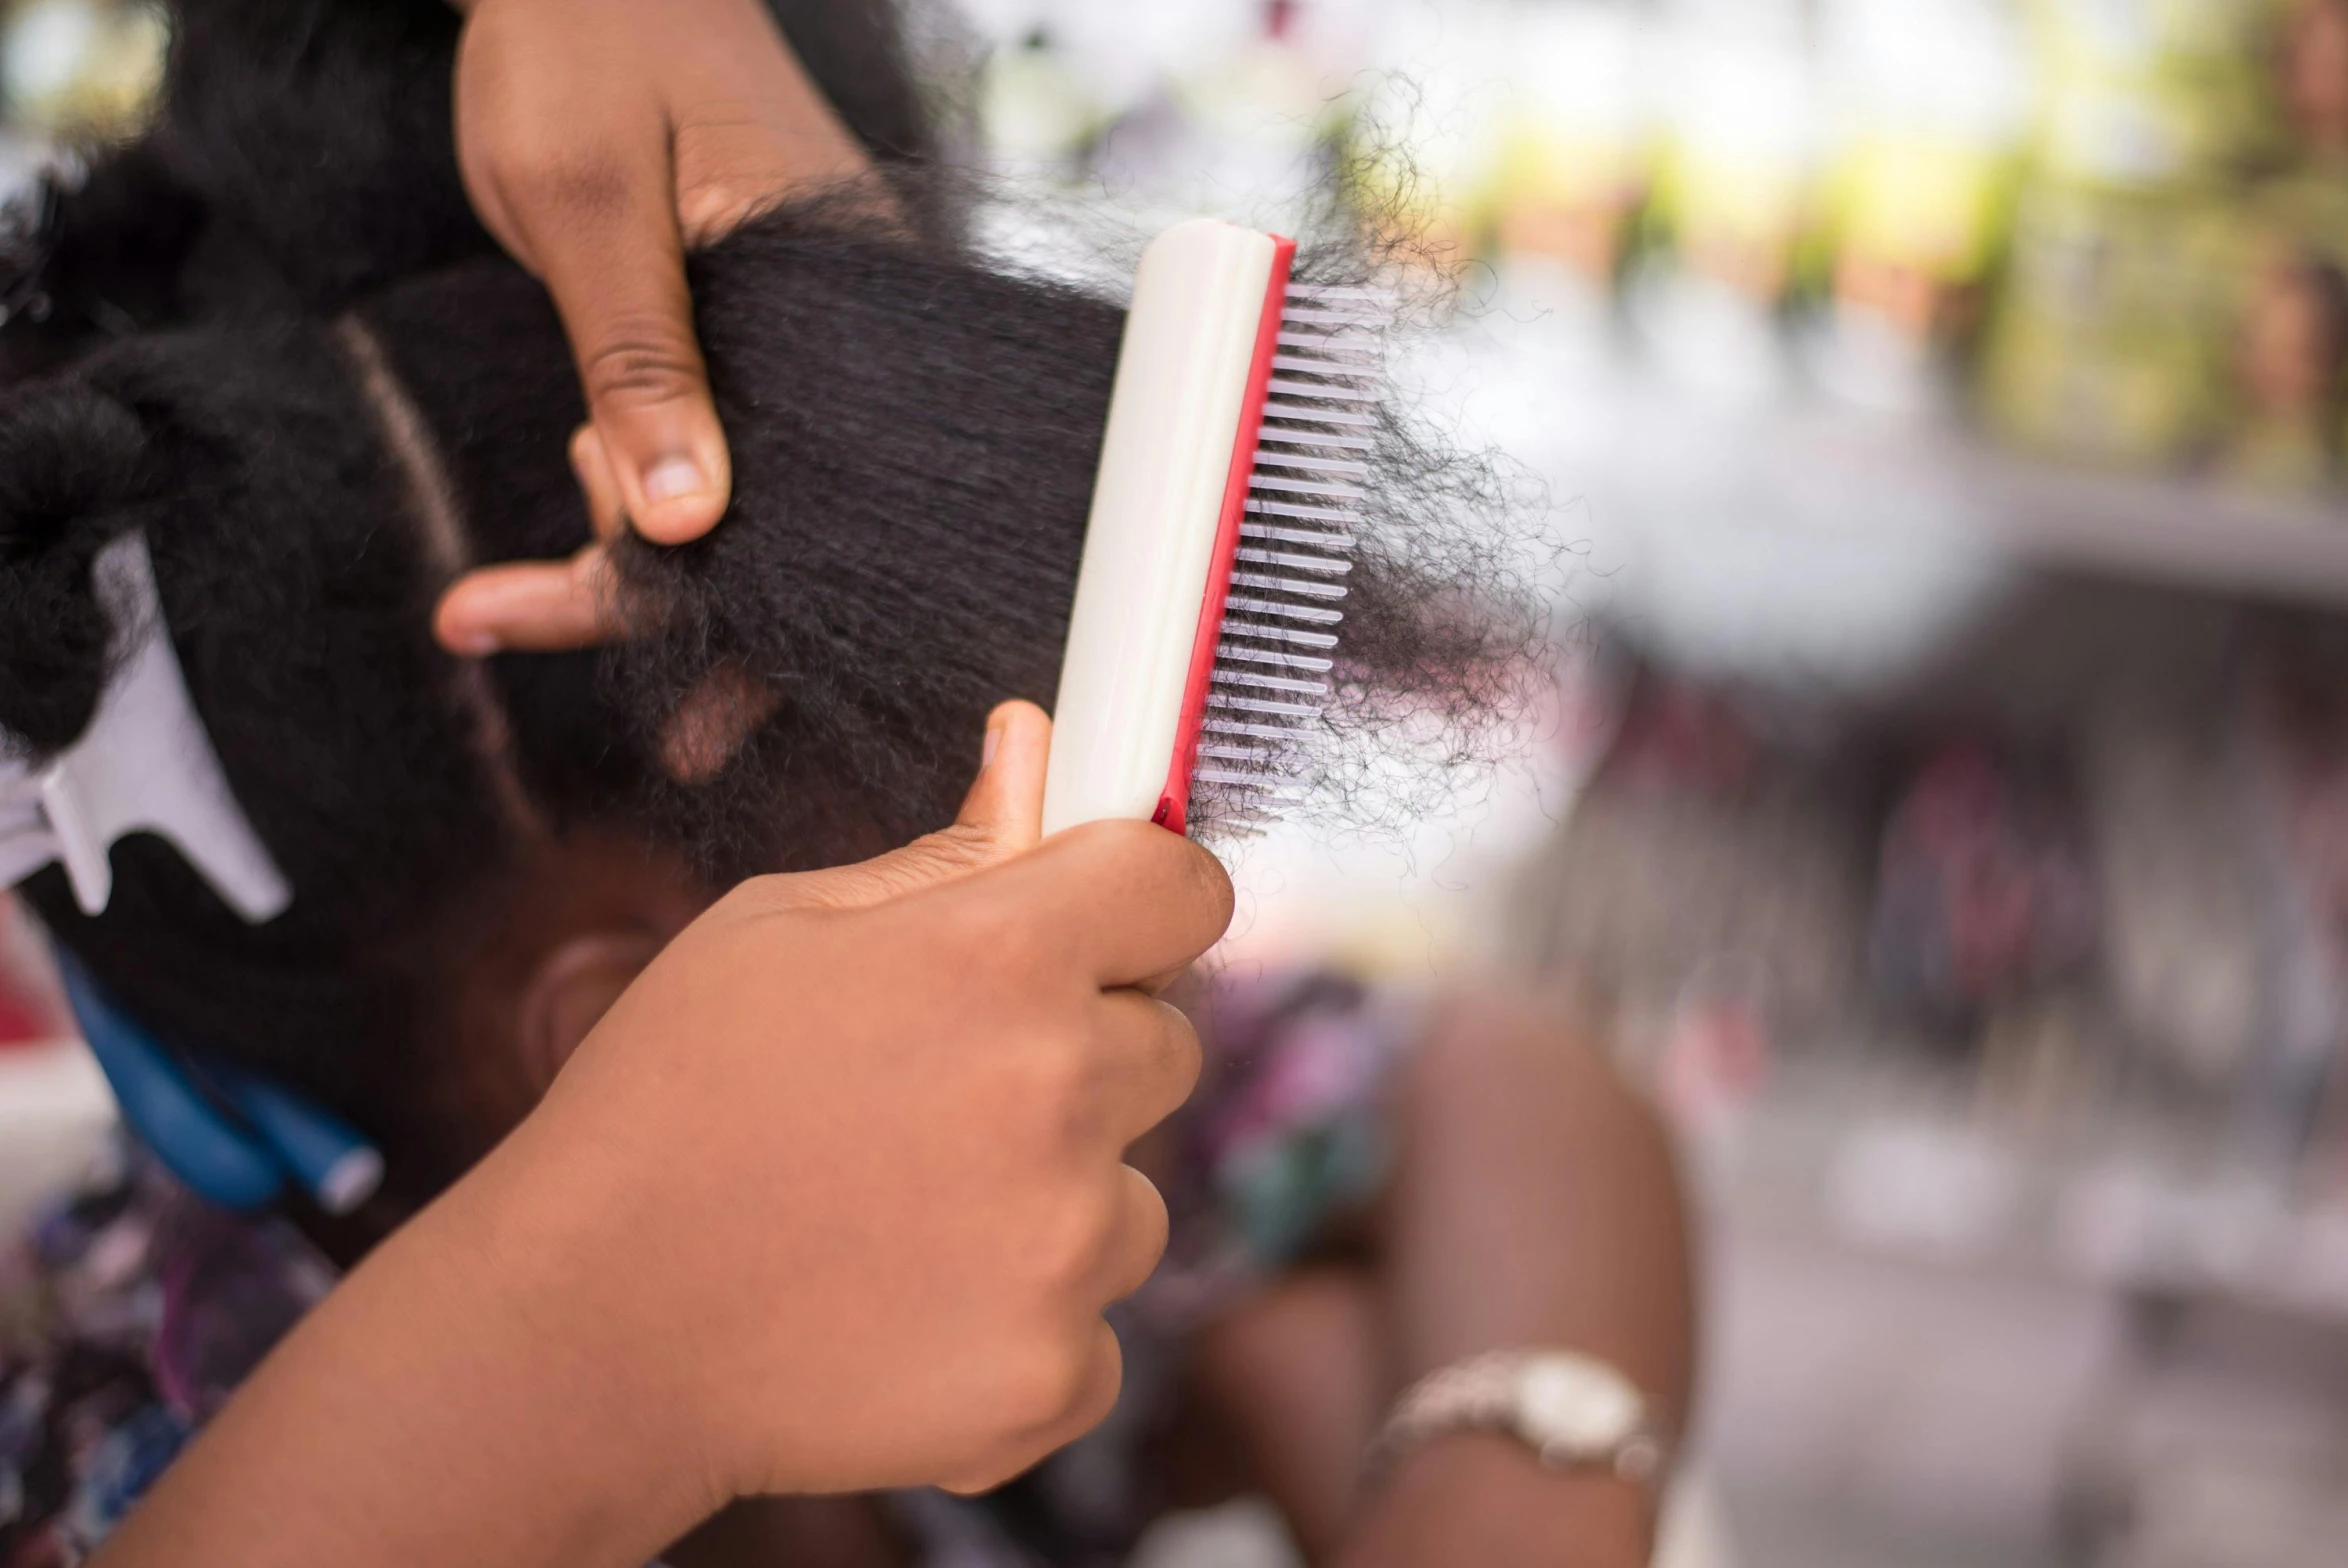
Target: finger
x=1160, y=984
x=731, y=168
x=1153, y=1063
x=608, y=247
x=1096, y=1395
x=531, y=606
x=779, y=134
x=1001, y=817
x=1143, y=1227
x=606, y=511
x=1006, y=800
x=1129, y=901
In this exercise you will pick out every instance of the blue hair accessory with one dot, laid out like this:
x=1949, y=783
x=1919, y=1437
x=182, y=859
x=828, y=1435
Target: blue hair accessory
x=144, y=764
x=228, y=1135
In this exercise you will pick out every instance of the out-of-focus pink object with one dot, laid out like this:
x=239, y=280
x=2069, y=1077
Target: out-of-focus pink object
x=30, y=1006
x=1715, y=1058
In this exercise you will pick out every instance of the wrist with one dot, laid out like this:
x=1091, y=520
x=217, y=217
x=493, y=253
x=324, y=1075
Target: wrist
x=1514, y=1508
x=610, y=1439
x=511, y=1362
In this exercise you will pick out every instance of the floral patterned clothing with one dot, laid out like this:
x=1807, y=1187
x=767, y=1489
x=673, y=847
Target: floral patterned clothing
x=128, y=1317
x=134, y=1309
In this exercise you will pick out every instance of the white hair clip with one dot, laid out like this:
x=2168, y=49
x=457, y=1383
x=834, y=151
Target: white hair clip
x=144, y=764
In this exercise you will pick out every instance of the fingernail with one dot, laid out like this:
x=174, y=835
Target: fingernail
x=671, y=478
x=994, y=742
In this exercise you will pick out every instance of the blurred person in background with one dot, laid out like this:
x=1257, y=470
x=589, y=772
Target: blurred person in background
x=2287, y=371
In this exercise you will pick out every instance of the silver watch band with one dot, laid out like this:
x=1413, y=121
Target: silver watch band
x=1486, y=1393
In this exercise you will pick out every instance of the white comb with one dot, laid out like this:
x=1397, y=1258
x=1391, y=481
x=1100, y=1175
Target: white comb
x=1233, y=470
x=144, y=764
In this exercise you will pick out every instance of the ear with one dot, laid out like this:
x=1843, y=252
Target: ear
x=569, y=991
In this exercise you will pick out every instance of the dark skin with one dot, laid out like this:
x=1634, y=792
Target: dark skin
x=805, y=1213
x=2315, y=73
x=1534, y=1203
x=600, y=141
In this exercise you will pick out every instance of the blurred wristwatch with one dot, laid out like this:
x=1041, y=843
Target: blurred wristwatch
x=1574, y=1411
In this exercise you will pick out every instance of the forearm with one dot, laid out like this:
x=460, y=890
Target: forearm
x=773, y=1229
x=1536, y=1205
x=421, y=1414
x=1473, y=1497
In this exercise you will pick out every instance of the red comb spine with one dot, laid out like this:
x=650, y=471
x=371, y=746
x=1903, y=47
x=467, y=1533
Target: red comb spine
x=1174, y=800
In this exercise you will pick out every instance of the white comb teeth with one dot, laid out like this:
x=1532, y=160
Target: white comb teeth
x=1294, y=612
x=1323, y=538
x=1291, y=585
x=1348, y=467
x=1306, y=489
x=1275, y=659
x=1268, y=633
x=1233, y=484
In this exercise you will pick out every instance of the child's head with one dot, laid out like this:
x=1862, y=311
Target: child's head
x=316, y=429
x=913, y=465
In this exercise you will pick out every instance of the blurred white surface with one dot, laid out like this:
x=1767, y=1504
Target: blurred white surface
x=54, y=1110
x=1247, y=1534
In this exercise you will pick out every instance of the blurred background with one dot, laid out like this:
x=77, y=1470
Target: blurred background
x=1945, y=804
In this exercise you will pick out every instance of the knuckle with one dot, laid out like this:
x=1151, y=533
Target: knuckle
x=730, y=163
x=1184, y=875
x=712, y=206
x=1044, y=1386
x=586, y=453
x=639, y=357
x=899, y=872
x=1206, y=885
x=566, y=185
x=1152, y=1219
x=1046, y=1088
x=951, y=850
x=984, y=928
x=1104, y=1381
x=1071, y=1247
x=1185, y=1057
x=967, y=931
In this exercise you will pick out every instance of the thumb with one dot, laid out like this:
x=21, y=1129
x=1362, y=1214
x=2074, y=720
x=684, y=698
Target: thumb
x=1002, y=816
x=615, y=265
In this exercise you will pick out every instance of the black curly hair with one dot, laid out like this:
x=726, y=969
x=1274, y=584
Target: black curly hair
x=278, y=345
